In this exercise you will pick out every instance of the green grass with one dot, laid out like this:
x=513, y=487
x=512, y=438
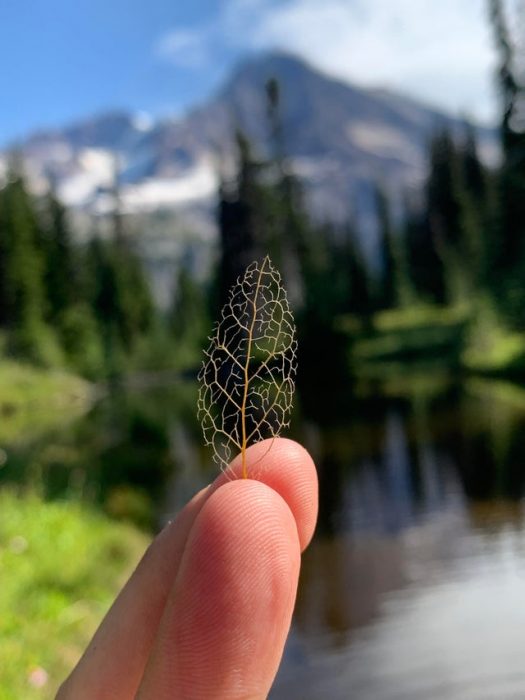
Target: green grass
x=420, y=316
x=32, y=399
x=491, y=348
x=61, y=565
x=426, y=338
x=398, y=379
x=411, y=335
x=500, y=391
x=501, y=353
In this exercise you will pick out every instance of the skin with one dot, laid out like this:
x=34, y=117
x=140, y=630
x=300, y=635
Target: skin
x=208, y=609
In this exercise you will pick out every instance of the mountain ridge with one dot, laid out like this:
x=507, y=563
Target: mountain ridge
x=339, y=139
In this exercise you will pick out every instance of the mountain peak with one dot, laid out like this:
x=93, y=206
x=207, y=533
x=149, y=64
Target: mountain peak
x=282, y=63
x=339, y=139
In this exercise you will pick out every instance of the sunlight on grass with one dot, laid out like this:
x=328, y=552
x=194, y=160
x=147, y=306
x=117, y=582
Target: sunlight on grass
x=32, y=399
x=422, y=315
x=492, y=348
x=412, y=334
x=503, y=352
x=61, y=565
x=493, y=391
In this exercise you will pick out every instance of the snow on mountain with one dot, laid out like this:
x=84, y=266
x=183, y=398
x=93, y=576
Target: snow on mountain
x=338, y=138
x=93, y=170
x=197, y=183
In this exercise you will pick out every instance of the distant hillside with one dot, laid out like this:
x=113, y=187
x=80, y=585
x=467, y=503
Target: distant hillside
x=339, y=137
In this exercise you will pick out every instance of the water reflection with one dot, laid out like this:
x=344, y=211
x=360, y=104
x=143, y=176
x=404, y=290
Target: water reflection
x=414, y=586
x=137, y=455
x=435, y=611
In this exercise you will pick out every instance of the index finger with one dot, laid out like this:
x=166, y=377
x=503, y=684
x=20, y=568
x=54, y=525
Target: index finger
x=113, y=664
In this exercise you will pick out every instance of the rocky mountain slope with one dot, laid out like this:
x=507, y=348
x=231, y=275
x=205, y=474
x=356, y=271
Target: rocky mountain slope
x=339, y=138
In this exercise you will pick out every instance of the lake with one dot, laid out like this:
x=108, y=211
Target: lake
x=414, y=586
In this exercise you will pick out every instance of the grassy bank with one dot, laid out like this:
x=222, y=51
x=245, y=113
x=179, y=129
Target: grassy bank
x=437, y=338
x=33, y=399
x=419, y=336
x=61, y=565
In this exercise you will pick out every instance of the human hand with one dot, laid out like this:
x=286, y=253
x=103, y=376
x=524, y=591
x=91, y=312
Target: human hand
x=206, y=613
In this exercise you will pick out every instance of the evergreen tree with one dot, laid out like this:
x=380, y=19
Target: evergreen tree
x=132, y=307
x=22, y=299
x=387, y=295
x=343, y=280
x=291, y=236
x=475, y=177
x=137, y=310
x=120, y=295
x=240, y=219
x=395, y=288
x=61, y=269
x=442, y=192
x=359, y=299
x=476, y=213
x=450, y=229
x=102, y=287
x=512, y=177
x=273, y=103
x=187, y=318
x=81, y=340
x=67, y=300
x=22, y=287
x=425, y=262
x=508, y=257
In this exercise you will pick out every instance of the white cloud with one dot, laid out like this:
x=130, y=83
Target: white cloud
x=187, y=48
x=440, y=52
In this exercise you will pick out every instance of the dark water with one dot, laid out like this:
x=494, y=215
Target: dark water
x=414, y=586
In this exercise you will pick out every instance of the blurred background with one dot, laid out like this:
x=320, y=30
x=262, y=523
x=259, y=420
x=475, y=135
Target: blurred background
x=376, y=150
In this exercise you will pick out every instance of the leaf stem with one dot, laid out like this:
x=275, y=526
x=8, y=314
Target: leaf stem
x=246, y=375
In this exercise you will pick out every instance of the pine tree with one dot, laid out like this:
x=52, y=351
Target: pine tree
x=442, y=191
x=476, y=213
x=291, y=235
x=68, y=308
x=512, y=177
x=61, y=269
x=187, y=318
x=120, y=295
x=433, y=237
x=425, y=263
x=474, y=173
x=344, y=282
x=359, y=300
x=245, y=218
x=125, y=299
x=22, y=299
x=508, y=258
x=449, y=225
x=22, y=288
x=387, y=293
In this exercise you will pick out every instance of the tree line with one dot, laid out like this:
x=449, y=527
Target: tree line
x=63, y=303
x=459, y=242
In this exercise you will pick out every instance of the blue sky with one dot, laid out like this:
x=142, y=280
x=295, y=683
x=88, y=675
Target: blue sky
x=62, y=59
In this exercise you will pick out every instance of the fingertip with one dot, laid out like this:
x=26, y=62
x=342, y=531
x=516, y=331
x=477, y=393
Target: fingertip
x=224, y=630
x=247, y=515
x=285, y=466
